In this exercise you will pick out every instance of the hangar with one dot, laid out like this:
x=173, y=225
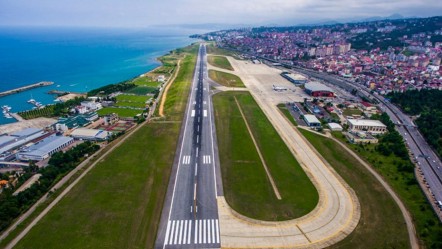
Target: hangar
x=317, y=89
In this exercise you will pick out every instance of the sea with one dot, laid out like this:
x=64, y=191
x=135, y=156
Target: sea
x=78, y=59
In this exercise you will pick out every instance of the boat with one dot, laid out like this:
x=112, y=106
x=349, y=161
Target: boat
x=7, y=115
x=6, y=108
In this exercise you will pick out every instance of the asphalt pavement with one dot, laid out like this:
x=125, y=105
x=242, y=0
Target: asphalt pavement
x=190, y=213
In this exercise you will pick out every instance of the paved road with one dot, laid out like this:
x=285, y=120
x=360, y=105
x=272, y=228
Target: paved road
x=427, y=160
x=190, y=213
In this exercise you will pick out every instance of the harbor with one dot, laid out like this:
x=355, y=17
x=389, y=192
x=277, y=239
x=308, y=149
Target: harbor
x=28, y=87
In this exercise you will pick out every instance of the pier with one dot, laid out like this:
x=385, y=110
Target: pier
x=24, y=88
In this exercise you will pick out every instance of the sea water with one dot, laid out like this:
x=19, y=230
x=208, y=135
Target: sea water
x=77, y=59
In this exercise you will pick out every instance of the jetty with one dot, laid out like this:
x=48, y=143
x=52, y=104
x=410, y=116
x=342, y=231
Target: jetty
x=24, y=88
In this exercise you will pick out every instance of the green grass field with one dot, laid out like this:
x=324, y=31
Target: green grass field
x=119, y=203
x=225, y=79
x=219, y=61
x=122, y=112
x=180, y=90
x=246, y=186
x=131, y=104
x=381, y=224
x=146, y=81
x=352, y=111
x=285, y=111
x=405, y=185
x=136, y=101
x=212, y=49
x=132, y=98
x=141, y=90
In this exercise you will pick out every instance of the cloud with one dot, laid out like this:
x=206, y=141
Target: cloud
x=139, y=13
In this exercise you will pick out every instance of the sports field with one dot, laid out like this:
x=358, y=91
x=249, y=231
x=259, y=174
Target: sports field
x=246, y=186
x=122, y=112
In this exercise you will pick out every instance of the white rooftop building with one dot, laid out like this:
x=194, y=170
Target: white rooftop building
x=335, y=126
x=90, y=134
x=372, y=126
x=44, y=148
x=312, y=121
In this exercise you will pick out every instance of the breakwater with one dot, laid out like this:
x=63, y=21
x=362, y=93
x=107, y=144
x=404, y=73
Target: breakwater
x=24, y=88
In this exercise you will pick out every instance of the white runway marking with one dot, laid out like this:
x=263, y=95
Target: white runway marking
x=196, y=169
x=206, y=232
x=186, y=159
x=207, y=160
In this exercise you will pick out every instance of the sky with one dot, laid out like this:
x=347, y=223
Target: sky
x=143, y=13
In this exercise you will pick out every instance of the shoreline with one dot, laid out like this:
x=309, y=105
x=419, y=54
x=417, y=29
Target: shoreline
x=8, y=125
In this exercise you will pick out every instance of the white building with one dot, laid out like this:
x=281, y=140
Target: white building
x=335, y=126
x=44, y=148
x=91, y=105
x=312, y=121
x=372, y=126
x=90, y=134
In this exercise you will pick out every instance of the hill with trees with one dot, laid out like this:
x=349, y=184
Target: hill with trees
x=427, y=106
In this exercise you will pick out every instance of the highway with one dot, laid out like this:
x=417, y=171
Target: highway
x=190, y=212
x=427, y=160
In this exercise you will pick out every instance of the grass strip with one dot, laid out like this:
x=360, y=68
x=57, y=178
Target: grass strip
x=225, y=79
x=381, y=224
x=219, y=61
x=404, y=183
x=286, y=112
x=245, y=183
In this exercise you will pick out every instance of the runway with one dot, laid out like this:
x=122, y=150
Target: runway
x=190, y=213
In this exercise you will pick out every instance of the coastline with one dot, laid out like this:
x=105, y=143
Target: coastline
x=58, y=55
x=40, y=122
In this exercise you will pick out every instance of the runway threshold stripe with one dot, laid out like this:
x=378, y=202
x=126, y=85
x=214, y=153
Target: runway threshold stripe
x=171, y=232
x=181, y=232
x=204, y=231
x=175, y=236
x=217, y=231
x=185, y=232
x=213, y=230
x=209, y=232
x=167, y=233
x=199, y=237
x=190, y=232
x=196, y=232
